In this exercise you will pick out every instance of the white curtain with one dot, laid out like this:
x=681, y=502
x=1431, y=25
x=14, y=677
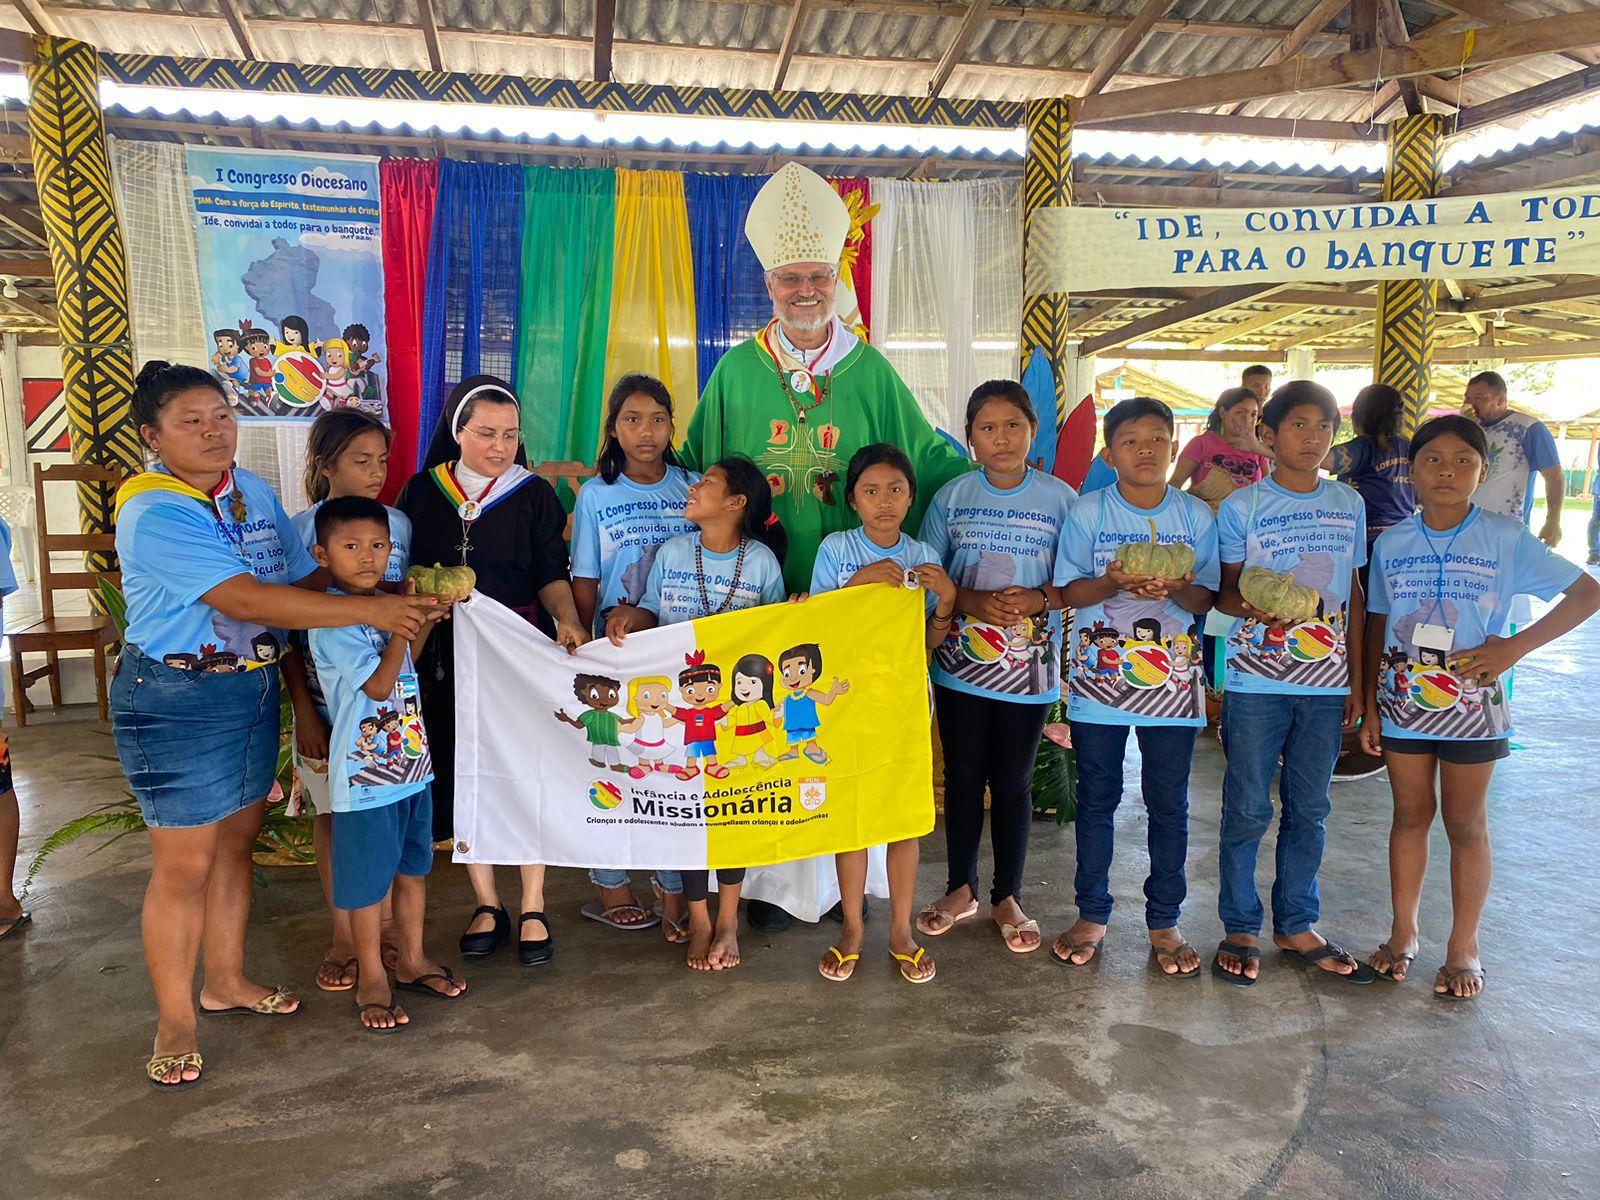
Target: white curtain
x=151, y=180
x=947, y=287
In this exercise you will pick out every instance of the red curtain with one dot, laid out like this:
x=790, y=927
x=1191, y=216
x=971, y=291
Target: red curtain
x=408, y=189
x=861, y=271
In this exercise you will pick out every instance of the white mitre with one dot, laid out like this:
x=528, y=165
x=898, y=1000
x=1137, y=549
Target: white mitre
x=797, y=217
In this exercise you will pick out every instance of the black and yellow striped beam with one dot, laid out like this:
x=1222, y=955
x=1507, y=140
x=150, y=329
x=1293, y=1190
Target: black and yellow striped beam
x=73, y=172
x=1047, y=183
x=1402, y=355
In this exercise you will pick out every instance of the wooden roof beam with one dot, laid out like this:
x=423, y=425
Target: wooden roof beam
x=1296, y=39
x=1188, y=196
x=1260, y=127
x=430, y=34
x=38, y=20
x=798, y=13
x=1542, y=173
x=1497, y=12
x=958, y=46
x=1243, y=329
x=1185, y=310
x=1526, y=352
x=1489, y=301
x=25, y=266
x=1319, y=332
x=1540, y=95
x=1127, y=42
x=605, y=29
x=240, y=31
x=1425, y=55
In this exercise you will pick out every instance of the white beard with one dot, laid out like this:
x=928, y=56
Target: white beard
x=802, y=322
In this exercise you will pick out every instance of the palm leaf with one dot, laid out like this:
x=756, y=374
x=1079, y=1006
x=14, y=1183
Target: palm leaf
x=114, y=603
x=114, y=816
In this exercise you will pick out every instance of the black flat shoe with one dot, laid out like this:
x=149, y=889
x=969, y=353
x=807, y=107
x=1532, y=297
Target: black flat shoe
x=532, y=952
x=481, y=945
x=836, y=913
x=767, y=918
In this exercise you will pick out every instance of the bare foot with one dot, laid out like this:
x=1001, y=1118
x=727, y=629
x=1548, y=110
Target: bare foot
x=843, y=965
x=243, y=994
x=172, y=1042
x=1250, y=968
x=1175, y=956
x=450, y=986
x=373, y=999
x=700, y=932
x=1393, y=958
x=1311, y=940
x=724, y=954
x=941, y=916
x=1461, y=981
x=625, y=910
x=903, y=943
x=1079, y=944
x=338, y=970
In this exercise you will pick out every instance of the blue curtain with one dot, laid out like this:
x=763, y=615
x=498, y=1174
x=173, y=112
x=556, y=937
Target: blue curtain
x=730, y=298
x=469, y=315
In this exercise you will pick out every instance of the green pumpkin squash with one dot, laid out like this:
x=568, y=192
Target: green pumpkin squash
x=450, y=584
x=1279, y=595
x=1164, y=560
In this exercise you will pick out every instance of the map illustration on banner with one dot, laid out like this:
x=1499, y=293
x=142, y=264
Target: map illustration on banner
x=291, y=280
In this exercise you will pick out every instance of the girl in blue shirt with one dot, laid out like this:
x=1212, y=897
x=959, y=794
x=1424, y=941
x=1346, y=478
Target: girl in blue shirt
x=623, y=516
x=998, y=532
x=208, y=556
x=1443, y=582
x=347, y=454
x=733, y=562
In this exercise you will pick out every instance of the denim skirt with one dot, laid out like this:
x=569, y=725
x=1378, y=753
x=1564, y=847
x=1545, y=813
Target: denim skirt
x=196, y=746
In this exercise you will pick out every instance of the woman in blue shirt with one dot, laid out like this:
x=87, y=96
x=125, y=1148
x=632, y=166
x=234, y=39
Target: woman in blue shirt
x=207, y=555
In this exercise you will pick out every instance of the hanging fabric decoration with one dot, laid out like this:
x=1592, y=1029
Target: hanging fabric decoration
x=730, y=295
x=652, y=295
x=469, y=324
x=568, y=219
x=408, y=190
x=855, y=265
x=1040, y=383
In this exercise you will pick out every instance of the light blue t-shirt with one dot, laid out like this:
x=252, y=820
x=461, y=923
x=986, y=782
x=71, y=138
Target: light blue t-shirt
x=990, y=538
x=617, y=529
x=672, y=590
x=174, y=549
x=1133, y=661
x=1462, y=581
x=8, y=584
x=378, y=749
x=305, y=524
x=843, y=554
x=1321, y=536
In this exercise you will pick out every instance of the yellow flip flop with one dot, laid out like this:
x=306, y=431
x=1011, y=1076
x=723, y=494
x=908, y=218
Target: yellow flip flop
x=903, y=961
x=843, y=959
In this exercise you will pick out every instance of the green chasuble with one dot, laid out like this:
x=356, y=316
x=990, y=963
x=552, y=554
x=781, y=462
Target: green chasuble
x=748, y=409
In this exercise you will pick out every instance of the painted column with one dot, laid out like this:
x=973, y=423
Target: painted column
x=73, y=172
x=1403, y=350
x=1047, y=183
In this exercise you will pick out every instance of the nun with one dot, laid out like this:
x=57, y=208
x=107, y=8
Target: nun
x=475, y=503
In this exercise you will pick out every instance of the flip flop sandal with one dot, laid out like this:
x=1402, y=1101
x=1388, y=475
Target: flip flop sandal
x=1245, y=954
x=1073, y=947
x=934, y=913
x=1361, y=976
x=275, y=1004
x=388, y=1008
x=850, y=959
x=908, y=962
x=7, y=928
x=1007, y=932
x=1446, y=976
x=1403, y=961
x=160, y=1065
x=820, y=757
x=420, y=985
x=332, y=966
x=1158, y=954
x=596, y=911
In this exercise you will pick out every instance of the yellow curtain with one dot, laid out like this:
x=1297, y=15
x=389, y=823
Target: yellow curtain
x=652, y=289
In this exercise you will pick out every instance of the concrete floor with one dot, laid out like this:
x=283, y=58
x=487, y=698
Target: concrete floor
x=617, y=1072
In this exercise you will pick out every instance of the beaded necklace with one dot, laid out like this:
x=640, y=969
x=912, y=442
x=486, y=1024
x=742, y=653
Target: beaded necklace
x=733, y=585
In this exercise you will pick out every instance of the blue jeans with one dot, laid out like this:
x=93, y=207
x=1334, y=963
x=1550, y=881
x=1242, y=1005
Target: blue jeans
x=1256, y=729
x=670, y=882
x=1165, y=752
x=1594, y=525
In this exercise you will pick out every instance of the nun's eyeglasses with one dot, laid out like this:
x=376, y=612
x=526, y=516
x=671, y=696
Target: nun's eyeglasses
x=492, y=437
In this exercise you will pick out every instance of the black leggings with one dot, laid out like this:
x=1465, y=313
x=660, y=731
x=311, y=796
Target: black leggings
x=697, y=884
x=987, y=743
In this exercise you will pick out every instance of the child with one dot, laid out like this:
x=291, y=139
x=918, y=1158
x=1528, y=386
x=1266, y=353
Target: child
x=881, y=487
x=12, y=915
x=622, y=517
x=1162, y=699
x=998, y=532
x=231, y=366
x=733, y=561
x=1443, y=581
x=383, y=812
x=347, y=454
x=1277, y=705
x=257, y=344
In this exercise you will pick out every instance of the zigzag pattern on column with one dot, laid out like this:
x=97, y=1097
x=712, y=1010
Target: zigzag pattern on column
x=1402, y=354
x=73, y=173
x=1047, y=182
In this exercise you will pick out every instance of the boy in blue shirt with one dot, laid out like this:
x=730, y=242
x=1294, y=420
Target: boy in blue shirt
x=379, y=770
x=1144, y=623
x=1289, y=696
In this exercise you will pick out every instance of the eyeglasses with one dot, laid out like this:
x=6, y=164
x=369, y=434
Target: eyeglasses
x=508, y=437
x=816, y=279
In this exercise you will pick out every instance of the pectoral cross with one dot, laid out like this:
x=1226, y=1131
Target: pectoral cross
x=466, y=543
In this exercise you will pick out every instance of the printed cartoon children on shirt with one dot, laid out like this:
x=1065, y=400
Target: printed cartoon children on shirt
x=1418, y=692
x=801, y=667
x=1152, y=672
x=700, y=686
x=998, y=659
x=599, y=724
x=381, y=756
x=1306, y=653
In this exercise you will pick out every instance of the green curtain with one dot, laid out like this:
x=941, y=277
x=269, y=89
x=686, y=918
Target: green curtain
x=565, y=311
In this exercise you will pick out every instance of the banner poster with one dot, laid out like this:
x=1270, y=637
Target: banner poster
x=1515, y=235
x=291, y=279
x=755, y=737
